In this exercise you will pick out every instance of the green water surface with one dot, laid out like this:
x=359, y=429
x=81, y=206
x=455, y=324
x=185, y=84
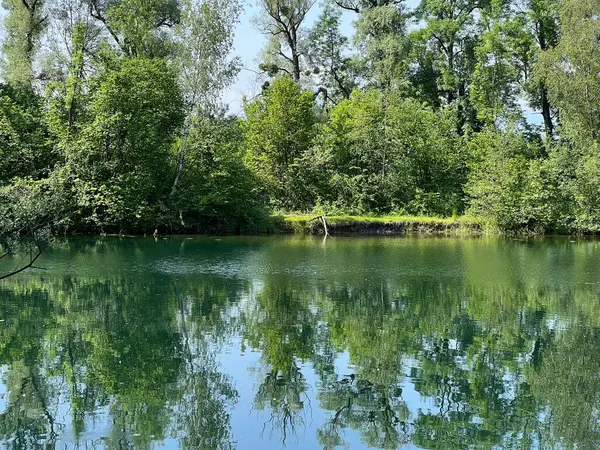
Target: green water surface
x=300, y=343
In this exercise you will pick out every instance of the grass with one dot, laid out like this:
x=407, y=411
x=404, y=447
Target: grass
x=377, y=219
x=306, y=223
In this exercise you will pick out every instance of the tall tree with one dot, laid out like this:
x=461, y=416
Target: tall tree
x=204, y=39
x=73, y=42
x=494, y=89
x=383, y=45
x=282, y=21
x=449, y=28
x=138, y=27
x=570, y=70
x=544, y=23
x=511, y=36
x=279, y=128
x=328, y=55
x=381, y=39
x=24, y=26
x=119, y=157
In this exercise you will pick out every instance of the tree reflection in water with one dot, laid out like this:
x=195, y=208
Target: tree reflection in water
x=91, y=350
x=283, y=328
x=449, y=356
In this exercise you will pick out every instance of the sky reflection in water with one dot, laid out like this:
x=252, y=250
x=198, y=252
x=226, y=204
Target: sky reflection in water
x=264, y=342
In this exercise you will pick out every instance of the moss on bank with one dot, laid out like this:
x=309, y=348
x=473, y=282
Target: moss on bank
x=311, y=224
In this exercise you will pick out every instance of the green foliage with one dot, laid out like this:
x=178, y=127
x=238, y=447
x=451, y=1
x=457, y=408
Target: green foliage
x=139, y=27
x=25, y=144
x=32, y=213
x=426, y=109
x=119, y=159
x=327, y=53
x=447, y=27
x=24, y=25
x=30, y=206
x=587, y=192
x=279, y=128
x=383, y=45
x=571, y=71
x=392, y=154
x=494, y=89
x=515, y=190
x=218, y=192
x=204, y=39
x=111, y=115
x=497, y=177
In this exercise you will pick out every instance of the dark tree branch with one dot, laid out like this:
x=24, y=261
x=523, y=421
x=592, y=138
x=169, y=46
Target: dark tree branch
x=352, y=8
x=166, y=22
x=283, y=69
x=286, y=57
x=96, y=14
x=437, y=38
x=32, y=259
x=341, y=85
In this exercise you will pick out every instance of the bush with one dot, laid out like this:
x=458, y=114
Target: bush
x=218, y=192
x=391, y=153
x=514, y=189
x=121, y=159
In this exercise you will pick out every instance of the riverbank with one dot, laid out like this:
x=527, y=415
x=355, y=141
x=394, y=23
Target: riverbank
x=391, y=224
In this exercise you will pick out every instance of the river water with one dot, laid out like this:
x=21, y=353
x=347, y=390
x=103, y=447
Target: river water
x=299, y=343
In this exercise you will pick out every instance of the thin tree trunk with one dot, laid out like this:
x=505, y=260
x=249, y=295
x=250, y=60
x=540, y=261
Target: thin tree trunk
x=72, y=103
x=293, y=43
x=296, y=59
x=181, y=161
x=546, y=108
x=451, y=94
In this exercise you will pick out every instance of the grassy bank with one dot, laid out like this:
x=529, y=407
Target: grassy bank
x=391, y=224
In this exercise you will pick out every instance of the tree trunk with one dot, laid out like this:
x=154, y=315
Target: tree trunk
x=181, y=160
x=296, y=59
x=75, y=93
x=451, y=93
x=546, y=112
x=293, y=43
x=546, y=108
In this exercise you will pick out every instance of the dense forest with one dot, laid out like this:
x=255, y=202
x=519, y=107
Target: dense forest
x=112, y=119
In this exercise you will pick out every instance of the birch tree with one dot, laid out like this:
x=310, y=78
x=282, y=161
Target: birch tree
x=205, y=39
